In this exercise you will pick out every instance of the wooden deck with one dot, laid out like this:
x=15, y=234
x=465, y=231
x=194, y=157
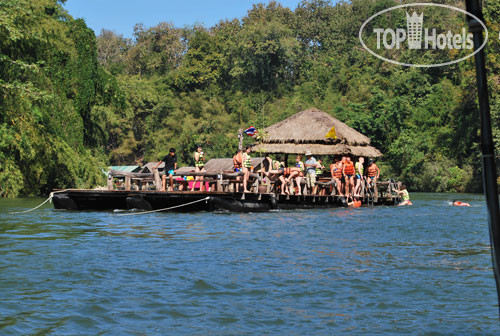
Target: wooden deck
x=108, y=200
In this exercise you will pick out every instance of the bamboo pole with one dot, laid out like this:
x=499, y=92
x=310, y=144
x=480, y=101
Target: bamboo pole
x=240, y=138
x=156, y=175
x=110, y=182
x=127, y=182
x=487, y=146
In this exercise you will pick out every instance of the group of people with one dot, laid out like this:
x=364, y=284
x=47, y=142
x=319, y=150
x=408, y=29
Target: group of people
x=291, y=177
x=170, y=161
x=348, y=175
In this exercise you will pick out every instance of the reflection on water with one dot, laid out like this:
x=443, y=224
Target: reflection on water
x=412, y=270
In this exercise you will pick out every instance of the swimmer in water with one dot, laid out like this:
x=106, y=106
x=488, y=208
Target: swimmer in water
x=458, y=203
x=405, y=196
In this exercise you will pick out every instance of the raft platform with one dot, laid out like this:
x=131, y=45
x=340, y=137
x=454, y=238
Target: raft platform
x=187, y=201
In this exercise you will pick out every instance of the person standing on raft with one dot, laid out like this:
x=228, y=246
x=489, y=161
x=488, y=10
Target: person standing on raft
x=310, y=166
x=170, y=167
x=373, y=172
x=199, y=166
x=349, y=173
x=359, y=167
x=247, y=167
x=336, y=173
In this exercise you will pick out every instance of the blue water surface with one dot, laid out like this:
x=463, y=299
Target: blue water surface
x=419, y=270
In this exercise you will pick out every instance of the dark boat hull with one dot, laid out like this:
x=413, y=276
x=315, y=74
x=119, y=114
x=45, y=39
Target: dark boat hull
x=105, y=200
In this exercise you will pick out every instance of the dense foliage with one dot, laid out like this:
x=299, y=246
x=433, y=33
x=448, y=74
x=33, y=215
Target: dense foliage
x=72, y=103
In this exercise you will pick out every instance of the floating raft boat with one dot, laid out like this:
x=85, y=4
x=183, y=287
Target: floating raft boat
x=185, y=201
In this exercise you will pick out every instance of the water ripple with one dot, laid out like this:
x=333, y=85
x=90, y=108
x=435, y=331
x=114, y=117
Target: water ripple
x=421, y=270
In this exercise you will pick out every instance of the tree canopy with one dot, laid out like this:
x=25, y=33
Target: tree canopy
x=73, y=103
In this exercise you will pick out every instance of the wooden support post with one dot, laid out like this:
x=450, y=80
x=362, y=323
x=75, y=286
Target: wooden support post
x=156, y=175
x=127, y=182
x=255, y=185
x=240, y=137
x=110, y=182
x=219, y=182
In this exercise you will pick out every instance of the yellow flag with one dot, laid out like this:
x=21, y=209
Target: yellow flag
x=331, y=133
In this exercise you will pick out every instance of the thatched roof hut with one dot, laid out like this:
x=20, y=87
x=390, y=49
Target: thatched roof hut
x=148, y=167
x=307, y=130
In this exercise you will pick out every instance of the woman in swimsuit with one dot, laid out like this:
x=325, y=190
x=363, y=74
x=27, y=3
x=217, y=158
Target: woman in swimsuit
x=296, y=174
x=199, y=166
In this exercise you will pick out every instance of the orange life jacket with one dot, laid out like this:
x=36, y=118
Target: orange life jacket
x=349, y=168
x=372, y=170
x=337, y=172
x=238, y=161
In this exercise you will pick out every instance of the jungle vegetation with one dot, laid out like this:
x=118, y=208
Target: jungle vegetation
x=72, y=103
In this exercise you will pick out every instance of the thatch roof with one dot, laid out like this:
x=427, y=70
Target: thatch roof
x=220, y=165
x=318, y=149
x=184, y=170
x=148, y=167
x=307, y=130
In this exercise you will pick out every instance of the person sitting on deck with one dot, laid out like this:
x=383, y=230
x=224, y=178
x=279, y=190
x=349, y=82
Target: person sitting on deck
x=267, y=164
x=265, y=170
x=336, y=172
x=319, y=167
x=405, y=196
x=170, y=166
x=277, y=171
x=273, y=170
x=247, y=167
x=297, y=173
x=311, y=165
x=199, y=166
x=373, y=173
x=359, y=167
x=349, y=172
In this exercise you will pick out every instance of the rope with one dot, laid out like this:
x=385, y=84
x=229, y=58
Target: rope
x=164, y=209
x=47, y=200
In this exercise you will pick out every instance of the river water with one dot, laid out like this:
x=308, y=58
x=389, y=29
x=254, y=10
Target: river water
x=417, y=270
